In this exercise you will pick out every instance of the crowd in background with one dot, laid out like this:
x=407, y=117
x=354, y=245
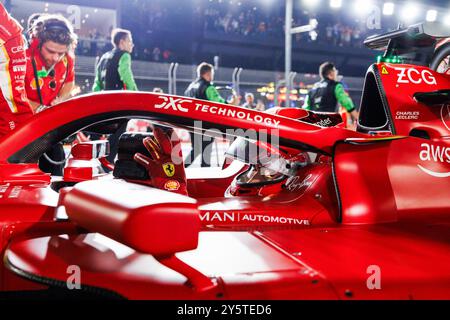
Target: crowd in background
x=93, y=43
x=342, y=35
x=246, y=22
x=155, y=22
x=252, y=23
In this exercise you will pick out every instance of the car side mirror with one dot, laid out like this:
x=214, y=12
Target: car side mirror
x=146, y=219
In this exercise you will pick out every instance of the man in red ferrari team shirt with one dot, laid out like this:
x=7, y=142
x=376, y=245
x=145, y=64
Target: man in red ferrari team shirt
x=14, y=106
x=50, y=75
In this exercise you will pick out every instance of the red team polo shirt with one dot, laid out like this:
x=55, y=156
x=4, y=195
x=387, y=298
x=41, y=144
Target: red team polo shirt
x=14, y=106
x=63, y=73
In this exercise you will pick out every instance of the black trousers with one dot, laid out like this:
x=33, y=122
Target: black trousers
x=202, y=149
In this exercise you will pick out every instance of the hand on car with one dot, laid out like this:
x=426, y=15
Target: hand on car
x=41, y=108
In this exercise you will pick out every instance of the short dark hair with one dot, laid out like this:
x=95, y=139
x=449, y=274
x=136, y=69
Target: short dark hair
x=54, y=28
x=119, y=34
x=325, y=69
x=203, y=68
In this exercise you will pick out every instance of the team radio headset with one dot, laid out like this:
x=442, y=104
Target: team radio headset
x=38, y=74
x=48, y=73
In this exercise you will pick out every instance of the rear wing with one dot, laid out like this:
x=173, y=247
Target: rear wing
x=420, y=34
x=413, y=45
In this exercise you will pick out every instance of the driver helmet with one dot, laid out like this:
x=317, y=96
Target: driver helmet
x=268, y=166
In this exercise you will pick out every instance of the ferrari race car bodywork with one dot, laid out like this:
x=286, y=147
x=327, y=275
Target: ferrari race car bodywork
x=367, y=218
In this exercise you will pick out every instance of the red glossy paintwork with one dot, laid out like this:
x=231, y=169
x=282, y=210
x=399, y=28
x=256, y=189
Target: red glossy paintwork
x=378, y=200
x=23, y=230
x=396, y=163
x=135, y=214
x=163, y=107
x=400, y=84
x=265, y=273
x=412, y=256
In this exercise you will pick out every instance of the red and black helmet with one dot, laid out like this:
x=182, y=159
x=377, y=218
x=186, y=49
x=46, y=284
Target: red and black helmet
x=269, y=165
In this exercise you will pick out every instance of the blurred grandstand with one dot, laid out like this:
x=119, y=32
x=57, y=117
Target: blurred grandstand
x=240, y=33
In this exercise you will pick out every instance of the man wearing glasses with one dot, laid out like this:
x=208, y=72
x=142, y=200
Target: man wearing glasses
x=50, y=75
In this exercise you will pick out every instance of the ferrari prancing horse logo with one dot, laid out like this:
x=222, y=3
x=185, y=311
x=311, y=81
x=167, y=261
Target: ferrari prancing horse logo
x=169, y=169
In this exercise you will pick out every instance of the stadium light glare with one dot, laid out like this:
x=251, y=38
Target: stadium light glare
x=362, y=7
x=388, y=8
x=310, y=3
x=431, y=15
x=447, y=20
x=267, y=3
x=410, y=11
x=335, y=4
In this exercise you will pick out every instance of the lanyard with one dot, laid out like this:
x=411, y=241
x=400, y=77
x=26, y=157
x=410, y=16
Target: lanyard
x=37, y=76
x=36, y=79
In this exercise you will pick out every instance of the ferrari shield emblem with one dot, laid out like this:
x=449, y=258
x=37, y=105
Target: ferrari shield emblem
x=169, y=169
x=384, y=70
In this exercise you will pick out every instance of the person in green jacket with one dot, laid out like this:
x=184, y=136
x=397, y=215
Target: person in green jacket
x=113, y=72
x=114, y=67
x=327, y=94
x=203, y=88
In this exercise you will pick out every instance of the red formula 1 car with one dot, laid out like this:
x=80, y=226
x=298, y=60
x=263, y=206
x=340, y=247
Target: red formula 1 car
x=324, y=213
